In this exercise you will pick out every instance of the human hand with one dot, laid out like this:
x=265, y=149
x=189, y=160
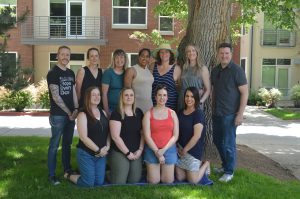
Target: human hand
x=138, y=154
x=162, y=160
x=238, y=119
x=131, y=156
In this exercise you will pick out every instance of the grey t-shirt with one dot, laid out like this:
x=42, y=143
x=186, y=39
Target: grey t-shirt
x=225, y=84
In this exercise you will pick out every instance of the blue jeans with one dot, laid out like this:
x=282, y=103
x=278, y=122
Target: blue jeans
x=61, y=126
x=92, y=169
x=224, y=134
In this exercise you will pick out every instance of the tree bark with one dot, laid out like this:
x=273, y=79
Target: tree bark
x=208, y=26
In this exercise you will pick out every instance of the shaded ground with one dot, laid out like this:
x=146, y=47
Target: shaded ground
x=252, y=160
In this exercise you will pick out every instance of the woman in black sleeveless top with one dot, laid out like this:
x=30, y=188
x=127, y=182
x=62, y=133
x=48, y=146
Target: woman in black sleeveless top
x=94, y=142
x=88, y=76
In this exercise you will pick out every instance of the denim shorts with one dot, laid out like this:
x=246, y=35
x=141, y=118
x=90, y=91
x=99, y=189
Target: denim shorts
x=170, y=155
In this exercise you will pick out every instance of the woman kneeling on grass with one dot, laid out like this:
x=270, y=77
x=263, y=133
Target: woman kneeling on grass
x=191, y=139
x=160, y=127
x=128, y=143
x=94, y=142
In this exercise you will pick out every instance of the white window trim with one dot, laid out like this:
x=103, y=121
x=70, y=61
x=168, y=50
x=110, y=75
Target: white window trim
x=17, y=57
x=129, y=26
x=129, y=58
x=278, y=66
x=246, y=64
x=75, y=62
x=162, y=32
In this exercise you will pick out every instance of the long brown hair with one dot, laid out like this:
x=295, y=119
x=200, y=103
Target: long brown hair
x=199, y=61
x=87, y=103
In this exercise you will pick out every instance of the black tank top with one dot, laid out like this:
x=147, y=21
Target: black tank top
x=97, y=132
x=88, y=81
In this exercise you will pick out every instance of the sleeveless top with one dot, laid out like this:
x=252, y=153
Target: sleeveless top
x=167, y=80
x=97, y=131
x=142, y=86
x=88, y=81
x=188, y=78
x=161, y=130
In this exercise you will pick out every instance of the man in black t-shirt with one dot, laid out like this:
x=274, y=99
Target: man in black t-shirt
x=63, y=111
x=230, y=95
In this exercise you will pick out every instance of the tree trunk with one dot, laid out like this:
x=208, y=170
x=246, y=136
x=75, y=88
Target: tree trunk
x=208, y=26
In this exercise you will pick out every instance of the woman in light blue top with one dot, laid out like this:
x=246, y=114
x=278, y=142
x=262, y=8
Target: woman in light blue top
x=112, y=81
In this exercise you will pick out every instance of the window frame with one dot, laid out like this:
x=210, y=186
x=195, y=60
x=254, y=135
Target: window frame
x=166, y=32
x=17, y=58
x=129, y=25
x=129, y=58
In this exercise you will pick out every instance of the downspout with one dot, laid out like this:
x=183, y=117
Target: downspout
x=251, y=57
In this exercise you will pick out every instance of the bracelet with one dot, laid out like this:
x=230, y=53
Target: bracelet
x=127, y=154
x=76, y=108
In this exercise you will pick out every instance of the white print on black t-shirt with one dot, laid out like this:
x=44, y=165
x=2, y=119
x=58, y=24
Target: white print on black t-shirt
x=65, y=85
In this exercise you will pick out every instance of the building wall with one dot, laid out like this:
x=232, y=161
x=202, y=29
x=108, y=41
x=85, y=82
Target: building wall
x=25, y=52
x=260, y=52
x=119, y=38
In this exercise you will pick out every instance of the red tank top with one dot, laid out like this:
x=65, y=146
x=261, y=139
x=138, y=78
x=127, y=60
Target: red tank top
x=161, y=130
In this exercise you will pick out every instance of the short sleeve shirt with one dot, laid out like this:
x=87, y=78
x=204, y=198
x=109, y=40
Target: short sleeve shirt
x=65, y=80
x=226, y=82
x=186, y=131
x=131, y=127
x=115, y=83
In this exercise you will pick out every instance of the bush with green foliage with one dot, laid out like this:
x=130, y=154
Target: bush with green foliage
x=296, y=95
x=269, y=97
x=254, y=99
x=4, y=92
x=19, y=100
x=42, y=94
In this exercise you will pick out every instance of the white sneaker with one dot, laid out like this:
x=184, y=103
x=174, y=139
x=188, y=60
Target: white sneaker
x=218, y=170
x=226, y=178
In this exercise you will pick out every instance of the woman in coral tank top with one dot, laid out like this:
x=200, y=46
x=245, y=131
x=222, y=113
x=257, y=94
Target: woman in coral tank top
x=160, y=127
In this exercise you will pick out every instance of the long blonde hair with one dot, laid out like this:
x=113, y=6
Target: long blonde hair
x=199, y=61
x=121, y=104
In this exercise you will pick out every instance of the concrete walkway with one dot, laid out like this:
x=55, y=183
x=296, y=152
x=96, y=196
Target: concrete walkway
x=277, y=139
x=273, y=137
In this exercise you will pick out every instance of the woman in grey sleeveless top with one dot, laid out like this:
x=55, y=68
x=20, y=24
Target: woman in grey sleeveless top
x=194, y=74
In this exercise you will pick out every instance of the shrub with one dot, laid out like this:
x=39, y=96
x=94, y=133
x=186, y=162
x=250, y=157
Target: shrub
x=254, y=99
x=296, y=94
x=4, y=93
x=42, y=94
x=19, y=100
x=269, y=97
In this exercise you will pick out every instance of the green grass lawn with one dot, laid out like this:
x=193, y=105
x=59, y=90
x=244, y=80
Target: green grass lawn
x=23, y=174
x=284, y=114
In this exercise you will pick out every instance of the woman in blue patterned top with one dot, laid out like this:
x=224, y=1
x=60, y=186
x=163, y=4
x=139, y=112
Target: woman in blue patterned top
x=166, y=72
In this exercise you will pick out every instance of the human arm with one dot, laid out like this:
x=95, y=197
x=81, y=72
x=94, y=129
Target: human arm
x=83, y=134
x=75, y=101
x=194, y=139
x=79, y=80
x=243, y=102
x=176, y=75
x=105, y=88
x=129, y=77
x=54, y=89
x=115, y=131
x=206, y=82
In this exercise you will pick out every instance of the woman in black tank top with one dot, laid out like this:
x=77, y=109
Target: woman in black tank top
x=94, y=142
x=88, y=76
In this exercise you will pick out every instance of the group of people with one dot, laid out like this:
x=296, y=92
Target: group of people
x=150, y=113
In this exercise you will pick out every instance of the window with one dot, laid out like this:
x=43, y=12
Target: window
x=129, y=13
x=7, y=60
x=58, y=18
x=243, y=64
x=77, y=60
x=133, y=59
x=275, y=74
x=270, y=36
x=166, y=25
x=13, y=14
